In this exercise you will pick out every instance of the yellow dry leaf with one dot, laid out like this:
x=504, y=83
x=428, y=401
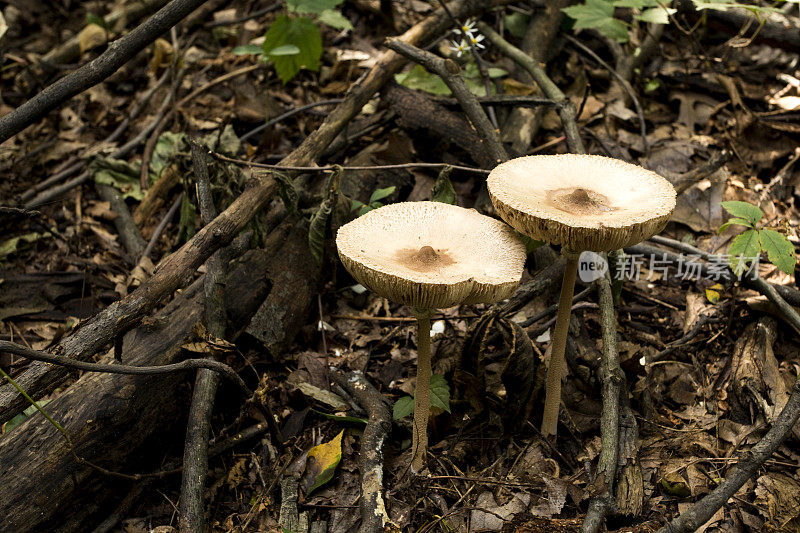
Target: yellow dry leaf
x=322, y=461
x=714, y=293
x=91, y=36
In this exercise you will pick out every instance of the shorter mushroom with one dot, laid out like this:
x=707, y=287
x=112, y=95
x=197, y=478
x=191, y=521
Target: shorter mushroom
x=582, y=202
x=428, y=256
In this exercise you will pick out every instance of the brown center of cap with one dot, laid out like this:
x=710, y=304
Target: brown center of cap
x=579, y=201
x=426, y=259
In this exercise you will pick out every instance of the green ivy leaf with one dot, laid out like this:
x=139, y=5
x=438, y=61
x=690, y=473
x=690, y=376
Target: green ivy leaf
x=744, y=249
x=443, y=190
x=403, y=407
x=737, y=221
x=248, y=49
x=779, y=250
x=380, y=194
x=335, y=19
x=301, y=32
x=312, y=6
x=440, y=392
x=598, y=15
x=744, y=210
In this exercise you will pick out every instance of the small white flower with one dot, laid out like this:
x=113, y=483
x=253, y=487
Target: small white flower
x=475, y=40
x=467, y=29
x=459, y=47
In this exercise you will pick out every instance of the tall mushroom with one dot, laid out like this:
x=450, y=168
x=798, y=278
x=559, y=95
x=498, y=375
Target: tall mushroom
x=428, y=256
x=582, y=202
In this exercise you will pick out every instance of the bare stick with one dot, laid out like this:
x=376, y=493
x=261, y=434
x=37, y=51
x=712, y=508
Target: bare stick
x=117, y=54
x=198, y=429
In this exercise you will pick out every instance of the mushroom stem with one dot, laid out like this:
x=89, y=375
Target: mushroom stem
x=552, y=398
x=422, y=391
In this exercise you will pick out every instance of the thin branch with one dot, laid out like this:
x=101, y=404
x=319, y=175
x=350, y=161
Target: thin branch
x=117, y=54
x=186, y=364
x=623, y=82
x=332, y=168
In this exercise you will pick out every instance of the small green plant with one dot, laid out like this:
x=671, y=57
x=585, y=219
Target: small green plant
x=374, y=201
x=294, y=41
x=440, y=398
x=600, y=14
x=748, y=246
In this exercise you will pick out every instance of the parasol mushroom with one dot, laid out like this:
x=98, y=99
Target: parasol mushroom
x=582, y=202
x=428, y=256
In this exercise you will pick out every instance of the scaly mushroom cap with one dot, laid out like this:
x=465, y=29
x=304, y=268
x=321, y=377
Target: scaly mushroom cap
x=431, y=255
x=583, y=202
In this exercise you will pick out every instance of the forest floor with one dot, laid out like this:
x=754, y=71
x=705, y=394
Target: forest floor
x=707, y=363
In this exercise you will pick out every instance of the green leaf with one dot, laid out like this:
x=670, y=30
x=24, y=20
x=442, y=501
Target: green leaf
x=119, y=174
x=12, y=245
x=91, y=18
x=440, y=392
x=312, y=6
x=248, y=49
x=403, y=407
x=517, y=24
x=301, y=32
x=323, y=460
x=355, y=204
x=23, y=416
x=656, y=15
x=779, y=250
x=443, y=190
x=287, y=191
x=635, y=4
x=736, y=221
x=598, y=15
x=285, y=50
x=530, y=244
x=421, y=79
x=744, y=249
x=744, y=210
x=380, y=194
x=335, y=19
x=167, y=148
x=365, y=209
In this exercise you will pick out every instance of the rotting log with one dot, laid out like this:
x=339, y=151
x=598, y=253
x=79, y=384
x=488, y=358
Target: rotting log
x=114, y=420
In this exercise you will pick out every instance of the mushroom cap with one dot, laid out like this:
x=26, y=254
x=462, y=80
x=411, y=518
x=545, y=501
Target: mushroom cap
x=431, y=255
x=583, y=202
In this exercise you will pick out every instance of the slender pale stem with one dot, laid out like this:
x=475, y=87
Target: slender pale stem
x=422, y=391
x=552, y=398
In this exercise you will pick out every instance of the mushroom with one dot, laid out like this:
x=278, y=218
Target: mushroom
x=428, y=256
x=582, y=202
